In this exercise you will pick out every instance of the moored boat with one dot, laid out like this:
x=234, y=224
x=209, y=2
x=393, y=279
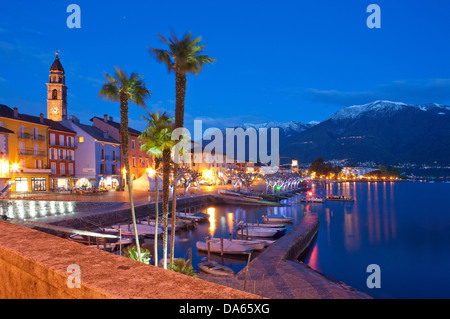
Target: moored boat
x=228, y=193
x=198, y=217
x=262, y=231
x=252, y=244
x=143, y=230
x=228, y=247
x=340, y=198
x=312, y=199
x=234, y=194
x=267, y=219
x=250, y=196
x=214, y=268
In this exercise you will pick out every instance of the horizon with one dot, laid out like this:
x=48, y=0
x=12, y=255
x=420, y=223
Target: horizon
x=338, y=60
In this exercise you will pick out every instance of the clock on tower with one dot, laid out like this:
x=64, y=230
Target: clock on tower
x=57, y=92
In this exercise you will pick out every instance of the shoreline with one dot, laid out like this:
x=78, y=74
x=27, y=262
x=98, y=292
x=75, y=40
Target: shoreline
x=276, y=271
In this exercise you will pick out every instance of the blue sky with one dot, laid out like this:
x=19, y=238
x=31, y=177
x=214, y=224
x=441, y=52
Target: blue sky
x=276, y=60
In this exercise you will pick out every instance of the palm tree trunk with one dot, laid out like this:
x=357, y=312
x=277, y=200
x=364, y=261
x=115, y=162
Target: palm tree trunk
x=124, y=142
x=156, y=217
x=166, y=194
x=180, y=94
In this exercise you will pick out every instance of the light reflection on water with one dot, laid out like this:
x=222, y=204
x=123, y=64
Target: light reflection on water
x=222, y=222
x=403, y=227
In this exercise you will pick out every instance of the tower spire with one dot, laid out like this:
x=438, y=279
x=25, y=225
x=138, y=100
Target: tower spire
x=57, y=91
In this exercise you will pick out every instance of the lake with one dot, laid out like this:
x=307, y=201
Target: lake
x=402, y=227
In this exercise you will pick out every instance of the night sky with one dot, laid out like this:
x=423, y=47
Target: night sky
x=276, y=60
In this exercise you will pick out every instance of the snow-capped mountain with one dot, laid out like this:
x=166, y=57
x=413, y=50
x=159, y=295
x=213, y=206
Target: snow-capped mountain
x=287, y=128
x=385, y=108
x=382, y=131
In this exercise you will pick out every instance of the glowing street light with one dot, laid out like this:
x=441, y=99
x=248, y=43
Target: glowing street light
x=151, y=172
x=15, y=166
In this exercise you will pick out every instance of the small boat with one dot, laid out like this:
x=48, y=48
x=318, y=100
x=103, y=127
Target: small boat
x=228, y=193
x=312, y=199
x=262, y=231
x=340, y=198
x=214, y=268
x=143, y=230
x=241, y=224
x=228, y=247
x=250, y=196
x=179, y=223
x=267, y=219
x=252, y=244
x=198, y=217
x=239, y=195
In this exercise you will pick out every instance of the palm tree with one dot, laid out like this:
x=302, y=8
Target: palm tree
x=183, y=57
x=157, y=141
x=124, y=89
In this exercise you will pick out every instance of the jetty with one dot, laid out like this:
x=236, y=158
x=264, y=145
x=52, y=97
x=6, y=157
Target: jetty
x=277, y=274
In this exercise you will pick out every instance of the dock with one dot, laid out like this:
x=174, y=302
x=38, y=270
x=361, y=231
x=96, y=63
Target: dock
x=277, y=274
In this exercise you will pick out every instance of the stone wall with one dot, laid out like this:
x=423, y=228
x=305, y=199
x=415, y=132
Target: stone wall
x=35, y=265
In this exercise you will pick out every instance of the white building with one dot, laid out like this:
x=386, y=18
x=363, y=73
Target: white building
x=98, y=156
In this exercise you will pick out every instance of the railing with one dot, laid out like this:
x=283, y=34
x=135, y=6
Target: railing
x=24, y=135
x=65, y=158
x=32, y=152
x=39, y=138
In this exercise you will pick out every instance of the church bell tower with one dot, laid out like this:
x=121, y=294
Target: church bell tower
x=57, y=92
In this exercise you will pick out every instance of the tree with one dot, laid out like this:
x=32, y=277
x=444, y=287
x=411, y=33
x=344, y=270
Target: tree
x=157, y=141
x=320, y=167
x=124, y=89
x=183, y=57
x=187, y=177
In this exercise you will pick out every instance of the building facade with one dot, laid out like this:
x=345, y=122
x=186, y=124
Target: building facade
x=4, y=160
x=139, y=160
x=28, y=150
x=97, y=157
x=61, y=154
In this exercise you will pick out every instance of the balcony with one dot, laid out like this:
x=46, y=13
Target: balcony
x=104, y=158
x=32, y=152
x=23, y=135
x=68, y=145
x=39, y=138
x=64, y=158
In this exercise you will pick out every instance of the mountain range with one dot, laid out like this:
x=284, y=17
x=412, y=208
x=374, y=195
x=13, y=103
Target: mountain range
x=383, y=132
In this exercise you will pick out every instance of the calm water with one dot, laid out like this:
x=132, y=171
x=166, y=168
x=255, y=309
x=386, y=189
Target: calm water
x=222, y=222
x=402, y=227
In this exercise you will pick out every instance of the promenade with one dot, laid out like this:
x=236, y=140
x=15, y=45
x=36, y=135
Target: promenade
x=275, y=273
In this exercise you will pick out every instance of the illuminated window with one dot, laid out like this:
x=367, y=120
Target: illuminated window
x=81, y=139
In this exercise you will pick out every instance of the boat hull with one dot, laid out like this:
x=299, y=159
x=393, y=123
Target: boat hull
x=214, y=268
x=228, y=248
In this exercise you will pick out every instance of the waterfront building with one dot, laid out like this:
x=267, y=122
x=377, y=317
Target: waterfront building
x=28, y=150
x=4, y=160
x=62, y=149
x=211, y=165
x=355, y=171
x=97, y=156
x=139, y=160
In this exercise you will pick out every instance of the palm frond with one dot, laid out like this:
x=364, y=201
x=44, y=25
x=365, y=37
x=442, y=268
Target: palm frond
x=184, y=56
